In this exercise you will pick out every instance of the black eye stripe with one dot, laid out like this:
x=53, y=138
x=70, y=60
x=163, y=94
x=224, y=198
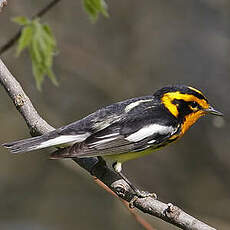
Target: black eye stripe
x=177, y=101
x=194, y=104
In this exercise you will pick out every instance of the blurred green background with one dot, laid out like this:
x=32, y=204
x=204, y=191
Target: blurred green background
x=143, y=46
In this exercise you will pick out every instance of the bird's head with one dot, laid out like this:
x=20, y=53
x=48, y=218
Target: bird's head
x=185, y=103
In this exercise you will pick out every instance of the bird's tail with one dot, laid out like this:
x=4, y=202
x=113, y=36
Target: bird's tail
x=27, y=145
x=53, y=138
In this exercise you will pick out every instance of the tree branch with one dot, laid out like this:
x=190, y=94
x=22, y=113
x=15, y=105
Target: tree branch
x=16, y=36
x=37, y=126
x=2, y=4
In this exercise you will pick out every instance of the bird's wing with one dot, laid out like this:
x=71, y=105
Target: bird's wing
x=126, y=135
x=104, y=147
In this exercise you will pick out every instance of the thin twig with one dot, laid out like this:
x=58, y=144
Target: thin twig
x=37, y=125
x=16, y=36
x=47, y=8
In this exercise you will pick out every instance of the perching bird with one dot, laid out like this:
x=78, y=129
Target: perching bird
x=126, y=130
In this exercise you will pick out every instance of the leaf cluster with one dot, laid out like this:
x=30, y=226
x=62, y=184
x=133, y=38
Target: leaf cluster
x=94, y=8
x=41, y=44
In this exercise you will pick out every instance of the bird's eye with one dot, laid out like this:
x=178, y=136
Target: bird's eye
x=194, y=104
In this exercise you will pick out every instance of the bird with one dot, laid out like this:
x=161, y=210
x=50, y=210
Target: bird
x=125, y=130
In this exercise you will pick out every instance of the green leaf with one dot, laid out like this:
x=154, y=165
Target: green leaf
x=35, y=51
x=49, y=35
x=94, y=8
x=25, y=39
x=104, y=9
x=38, y=74
x=52, y=77
x=42, y=46
x=22, y=21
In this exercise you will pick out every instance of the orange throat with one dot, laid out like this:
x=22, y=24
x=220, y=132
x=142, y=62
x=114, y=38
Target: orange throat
x=190, y=120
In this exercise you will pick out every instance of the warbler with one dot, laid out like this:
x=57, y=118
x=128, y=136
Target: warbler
x=126, y=130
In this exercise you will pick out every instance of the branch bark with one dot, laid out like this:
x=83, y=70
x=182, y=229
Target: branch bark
x=37, y=126
x=2, y=4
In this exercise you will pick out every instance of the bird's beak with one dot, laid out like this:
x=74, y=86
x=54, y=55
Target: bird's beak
x=211, y=110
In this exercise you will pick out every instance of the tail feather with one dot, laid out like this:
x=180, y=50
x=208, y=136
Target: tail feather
x=54, y=138
x=47, y=140
x=25, y=145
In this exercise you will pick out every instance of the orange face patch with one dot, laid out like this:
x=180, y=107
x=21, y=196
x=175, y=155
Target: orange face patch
x=190, y=119
x=168, y=99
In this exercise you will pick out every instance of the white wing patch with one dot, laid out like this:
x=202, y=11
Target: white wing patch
x=108, y=135
x=102, y=141
x=135, y=104
x=151, y=142
x=149, y=131
x=99, y=125
x=63, y=140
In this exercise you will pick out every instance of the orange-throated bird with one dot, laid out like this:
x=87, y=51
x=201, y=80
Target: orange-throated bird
x=126, y=130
